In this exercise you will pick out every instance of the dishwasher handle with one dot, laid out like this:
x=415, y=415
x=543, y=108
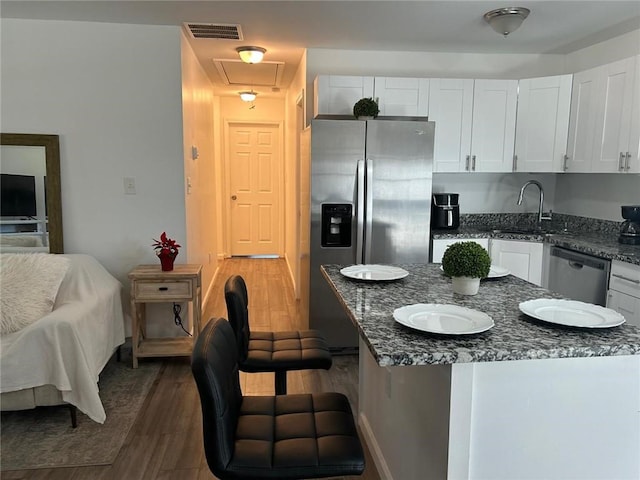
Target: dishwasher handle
x=579, y=260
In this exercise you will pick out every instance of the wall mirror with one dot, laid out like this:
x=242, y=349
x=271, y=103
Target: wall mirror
x=30, y=199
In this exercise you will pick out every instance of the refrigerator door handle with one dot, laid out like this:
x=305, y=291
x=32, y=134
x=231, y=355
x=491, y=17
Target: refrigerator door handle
x=368, y=218
x=360, y=175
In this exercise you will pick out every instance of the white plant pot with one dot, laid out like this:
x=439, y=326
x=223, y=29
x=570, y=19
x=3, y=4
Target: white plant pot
x=465, y=285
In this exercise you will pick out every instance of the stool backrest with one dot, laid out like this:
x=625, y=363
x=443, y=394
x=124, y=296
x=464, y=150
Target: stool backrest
x=214, y=364
x=237, y=299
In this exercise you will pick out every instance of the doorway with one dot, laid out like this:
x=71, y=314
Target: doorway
x=253, y=166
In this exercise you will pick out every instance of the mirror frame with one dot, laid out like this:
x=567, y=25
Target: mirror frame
x=51, y=144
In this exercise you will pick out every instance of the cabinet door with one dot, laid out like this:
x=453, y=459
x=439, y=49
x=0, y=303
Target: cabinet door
x=542, y=125
x=440, y=245
x=585, y=108
x=633, y=159
x=523, y=259
x=451, y=107
x=494, y=125
x=402, y=97
x=626, y=305
x=337, y=94
x=613, y=124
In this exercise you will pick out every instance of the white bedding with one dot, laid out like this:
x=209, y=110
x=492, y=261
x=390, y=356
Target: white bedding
x=69, y=347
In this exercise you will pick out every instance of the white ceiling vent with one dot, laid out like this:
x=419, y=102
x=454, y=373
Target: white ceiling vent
x=214, y=30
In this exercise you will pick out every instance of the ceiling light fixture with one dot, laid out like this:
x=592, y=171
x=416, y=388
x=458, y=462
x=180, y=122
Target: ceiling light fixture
x=251, y=54
x=506, y=20
x=248, y=96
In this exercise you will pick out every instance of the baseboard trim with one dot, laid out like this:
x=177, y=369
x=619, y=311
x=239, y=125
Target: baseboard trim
x=374, y=448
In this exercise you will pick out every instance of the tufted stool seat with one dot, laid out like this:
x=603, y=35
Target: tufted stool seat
x=268, y=437
x=276, y=352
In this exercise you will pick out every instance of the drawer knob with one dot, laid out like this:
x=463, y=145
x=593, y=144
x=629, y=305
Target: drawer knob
x=163, y=289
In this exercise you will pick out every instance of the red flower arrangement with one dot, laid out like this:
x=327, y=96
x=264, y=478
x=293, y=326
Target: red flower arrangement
x=165, y=246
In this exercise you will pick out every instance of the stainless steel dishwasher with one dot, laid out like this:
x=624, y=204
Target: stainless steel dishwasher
x=579, y=276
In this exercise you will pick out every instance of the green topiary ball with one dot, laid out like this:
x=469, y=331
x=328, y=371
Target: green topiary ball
x=366, y=107
x=466, y=259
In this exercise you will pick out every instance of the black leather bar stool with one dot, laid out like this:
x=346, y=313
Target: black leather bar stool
x=268, y=437
x=276, y=352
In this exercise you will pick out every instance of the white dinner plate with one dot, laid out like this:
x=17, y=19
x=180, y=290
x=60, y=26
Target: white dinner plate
x=374, y=273
x=495, y=271
x=446, y=319
x=571, y=313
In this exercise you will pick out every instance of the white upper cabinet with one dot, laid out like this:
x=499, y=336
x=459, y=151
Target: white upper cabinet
x=475, y=124
x=337, y=94
x=542, y=125
x=403, y=97
x=604, y=128
x=451, y=107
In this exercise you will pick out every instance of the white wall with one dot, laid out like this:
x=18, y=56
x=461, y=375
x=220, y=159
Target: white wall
x=198, y=128
x=496, y=192
x=113, y=94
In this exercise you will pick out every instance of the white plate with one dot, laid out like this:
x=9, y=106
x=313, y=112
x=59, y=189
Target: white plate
x=374, y=273
x=447, y=319
x=571, y=313
x=495, y=271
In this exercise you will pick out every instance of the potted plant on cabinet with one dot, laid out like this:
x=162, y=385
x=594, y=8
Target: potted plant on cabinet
x=167, y=250
x=366, y=108
x=466, y=263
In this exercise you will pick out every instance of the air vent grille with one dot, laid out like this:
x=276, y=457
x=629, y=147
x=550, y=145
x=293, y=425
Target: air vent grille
x=215, y=30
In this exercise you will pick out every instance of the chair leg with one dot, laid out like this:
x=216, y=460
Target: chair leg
x=74, y=417
x=281, y=382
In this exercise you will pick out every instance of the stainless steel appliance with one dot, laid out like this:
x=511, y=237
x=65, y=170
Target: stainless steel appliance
x=630, y=228
x=445, y=211
x=370, y=203
x=579, y=276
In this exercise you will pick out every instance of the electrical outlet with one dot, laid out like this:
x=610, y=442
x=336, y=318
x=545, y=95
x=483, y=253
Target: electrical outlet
x=129, y=185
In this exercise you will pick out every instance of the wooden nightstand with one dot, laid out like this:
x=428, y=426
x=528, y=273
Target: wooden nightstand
x=149, y=284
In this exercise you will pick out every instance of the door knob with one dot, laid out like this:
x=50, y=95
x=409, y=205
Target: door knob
x=233, y=197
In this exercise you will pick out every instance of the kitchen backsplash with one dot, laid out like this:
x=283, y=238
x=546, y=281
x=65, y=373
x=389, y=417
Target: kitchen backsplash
x=571, y=223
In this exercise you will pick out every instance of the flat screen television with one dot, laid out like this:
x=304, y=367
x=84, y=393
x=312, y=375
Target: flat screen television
x=17, y=195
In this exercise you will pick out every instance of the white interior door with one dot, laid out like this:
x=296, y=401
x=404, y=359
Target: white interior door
x=254, y=172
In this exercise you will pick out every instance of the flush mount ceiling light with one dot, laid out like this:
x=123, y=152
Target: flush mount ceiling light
x=506, y=20
x=251, y=54
x=248, y=96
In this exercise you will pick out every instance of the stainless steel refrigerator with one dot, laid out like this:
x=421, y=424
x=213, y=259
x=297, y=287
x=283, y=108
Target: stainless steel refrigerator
x=370, y=203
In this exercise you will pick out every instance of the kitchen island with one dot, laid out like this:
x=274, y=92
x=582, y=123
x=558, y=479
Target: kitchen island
x=525, y=399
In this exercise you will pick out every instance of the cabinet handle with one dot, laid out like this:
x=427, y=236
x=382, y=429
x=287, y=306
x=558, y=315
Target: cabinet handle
x=466, y=164
x=163, y=289
x=565, y=161
x=621, y=162
x=632, y=280
x=515, y=163
x=473, y=163
x=627, y=166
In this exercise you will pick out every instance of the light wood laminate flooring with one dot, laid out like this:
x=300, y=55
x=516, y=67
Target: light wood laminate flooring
x=165, y=443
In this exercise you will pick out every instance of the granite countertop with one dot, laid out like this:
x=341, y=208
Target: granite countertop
x=592, y=243
x=515, y=336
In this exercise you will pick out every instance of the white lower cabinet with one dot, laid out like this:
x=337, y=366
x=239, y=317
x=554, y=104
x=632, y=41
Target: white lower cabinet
x=624, y=291
x=440, y=245
x=523, y=259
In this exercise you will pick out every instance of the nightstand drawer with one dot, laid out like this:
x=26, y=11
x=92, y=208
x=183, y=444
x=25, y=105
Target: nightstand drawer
x=146, y=291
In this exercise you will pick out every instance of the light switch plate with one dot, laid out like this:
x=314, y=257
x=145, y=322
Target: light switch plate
x=129, y=185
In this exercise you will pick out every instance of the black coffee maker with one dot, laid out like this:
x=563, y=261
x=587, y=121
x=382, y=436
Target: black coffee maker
x=445, y=211
x=630, y=228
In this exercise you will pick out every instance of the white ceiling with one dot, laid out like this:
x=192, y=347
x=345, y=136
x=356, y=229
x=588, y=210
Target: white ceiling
x=286, y=28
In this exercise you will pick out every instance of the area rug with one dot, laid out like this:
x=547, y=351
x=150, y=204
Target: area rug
x=43, y=437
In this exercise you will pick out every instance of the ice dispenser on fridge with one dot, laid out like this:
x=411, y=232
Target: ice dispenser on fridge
x=336, y=225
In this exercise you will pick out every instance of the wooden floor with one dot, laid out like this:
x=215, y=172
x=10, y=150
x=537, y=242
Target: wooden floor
x=165, y=442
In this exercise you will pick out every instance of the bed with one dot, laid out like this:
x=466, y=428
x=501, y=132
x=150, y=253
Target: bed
x=58, y=358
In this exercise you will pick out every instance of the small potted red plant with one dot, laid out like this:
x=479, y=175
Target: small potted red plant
x=166, y=250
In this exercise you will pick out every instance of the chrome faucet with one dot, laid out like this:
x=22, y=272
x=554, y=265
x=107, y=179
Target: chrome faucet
x=541, y=215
